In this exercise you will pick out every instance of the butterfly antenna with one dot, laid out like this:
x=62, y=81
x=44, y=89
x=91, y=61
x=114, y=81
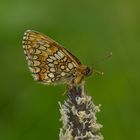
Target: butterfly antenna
x=104, y=58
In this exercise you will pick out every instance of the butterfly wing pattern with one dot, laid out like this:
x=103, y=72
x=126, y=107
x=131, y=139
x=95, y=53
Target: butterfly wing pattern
x=48, y=61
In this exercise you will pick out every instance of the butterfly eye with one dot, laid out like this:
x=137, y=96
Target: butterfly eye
x=88, y=71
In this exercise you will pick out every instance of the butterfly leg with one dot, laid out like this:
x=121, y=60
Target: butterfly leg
x=66, y=90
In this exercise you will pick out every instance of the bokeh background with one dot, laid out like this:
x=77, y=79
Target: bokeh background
x=89, y=29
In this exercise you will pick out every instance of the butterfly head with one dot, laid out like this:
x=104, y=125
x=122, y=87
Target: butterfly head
x=88, y=71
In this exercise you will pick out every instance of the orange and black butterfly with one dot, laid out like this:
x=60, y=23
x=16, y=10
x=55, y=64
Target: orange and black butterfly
x=50, y=63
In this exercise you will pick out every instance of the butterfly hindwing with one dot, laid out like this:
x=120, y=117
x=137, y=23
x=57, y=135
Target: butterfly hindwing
x=49, y=62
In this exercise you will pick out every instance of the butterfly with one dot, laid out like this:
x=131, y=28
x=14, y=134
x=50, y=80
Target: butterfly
x=50, y=63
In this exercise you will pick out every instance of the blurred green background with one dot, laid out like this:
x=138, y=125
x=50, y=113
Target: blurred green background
x=89, y=29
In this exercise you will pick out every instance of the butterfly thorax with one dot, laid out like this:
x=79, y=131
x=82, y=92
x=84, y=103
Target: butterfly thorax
x=82, y=71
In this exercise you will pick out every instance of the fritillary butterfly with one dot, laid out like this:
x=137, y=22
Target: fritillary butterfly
x=50, y=63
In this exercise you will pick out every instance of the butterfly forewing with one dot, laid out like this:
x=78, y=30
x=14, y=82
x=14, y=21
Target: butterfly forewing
x=49, y=62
